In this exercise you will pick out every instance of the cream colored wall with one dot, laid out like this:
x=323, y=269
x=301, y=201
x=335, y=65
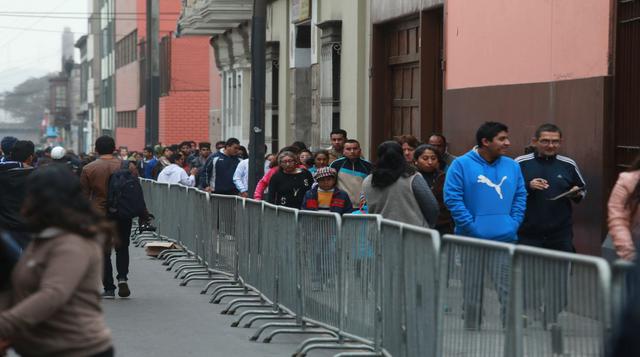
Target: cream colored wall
x=354, y=71
x=278, y=30
x=355, y=59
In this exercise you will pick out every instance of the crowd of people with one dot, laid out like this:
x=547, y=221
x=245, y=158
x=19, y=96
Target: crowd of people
x=57, y=210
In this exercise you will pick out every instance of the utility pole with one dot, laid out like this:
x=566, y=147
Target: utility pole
x=258, y=68
x=152, y=78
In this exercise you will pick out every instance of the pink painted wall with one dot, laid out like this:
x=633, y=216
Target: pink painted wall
x=490, y=42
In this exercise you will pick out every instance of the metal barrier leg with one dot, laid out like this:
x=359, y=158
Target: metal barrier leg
x=189, y=268
x=253, y=312
x=327, y=346
x=359, y=354
x=167, y=258
x=223, y=295
x=163, y=255
x=293, y=331
x=231, y=305
x=262, y=328
x=231, y=286
x=180, y=261
x=199, y=273
x=214, y=281
x=248, y=305
x=195, y=277
x=267, y=317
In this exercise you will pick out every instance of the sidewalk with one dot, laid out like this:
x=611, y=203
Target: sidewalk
x=164, y=319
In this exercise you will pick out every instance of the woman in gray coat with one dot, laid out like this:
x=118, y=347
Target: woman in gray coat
x=397, y=192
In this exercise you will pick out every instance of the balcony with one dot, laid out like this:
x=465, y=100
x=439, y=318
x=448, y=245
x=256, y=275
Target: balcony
x=212, y=17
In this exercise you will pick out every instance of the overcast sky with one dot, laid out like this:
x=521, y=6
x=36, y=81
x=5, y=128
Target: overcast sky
x=31, y=36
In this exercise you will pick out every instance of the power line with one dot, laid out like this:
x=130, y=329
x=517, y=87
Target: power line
x=83, y=18
x=81, y=13
x=33, y=24
x=56, y=31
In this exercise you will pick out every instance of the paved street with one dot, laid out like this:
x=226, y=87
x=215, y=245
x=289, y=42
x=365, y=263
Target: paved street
x=164, y=319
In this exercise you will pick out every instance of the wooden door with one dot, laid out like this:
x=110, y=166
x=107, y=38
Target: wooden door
x=627, y=84
x=406, y=92
x=403, y=61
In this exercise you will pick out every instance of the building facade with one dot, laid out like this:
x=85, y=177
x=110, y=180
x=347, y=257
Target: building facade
x=115, y=78
x=383, y=68
x=316, y=67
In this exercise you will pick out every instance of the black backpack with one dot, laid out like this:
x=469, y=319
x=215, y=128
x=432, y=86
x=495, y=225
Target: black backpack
x=124, y=197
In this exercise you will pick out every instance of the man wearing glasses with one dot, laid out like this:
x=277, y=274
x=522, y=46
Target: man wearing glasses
x=553, y=184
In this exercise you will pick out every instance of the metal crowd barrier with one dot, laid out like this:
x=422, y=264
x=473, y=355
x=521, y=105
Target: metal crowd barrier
x=378, y=287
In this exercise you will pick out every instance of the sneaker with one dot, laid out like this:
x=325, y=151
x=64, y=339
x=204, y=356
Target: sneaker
x=109, y=294
x=123, y=288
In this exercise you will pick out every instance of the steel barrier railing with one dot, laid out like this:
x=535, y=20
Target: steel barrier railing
x=381, y=287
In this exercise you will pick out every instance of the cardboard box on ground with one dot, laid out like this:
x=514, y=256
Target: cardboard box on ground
x=153, y=249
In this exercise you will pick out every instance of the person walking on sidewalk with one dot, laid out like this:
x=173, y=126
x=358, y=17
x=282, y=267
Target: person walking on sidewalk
x=95, y=185
x=54, y=307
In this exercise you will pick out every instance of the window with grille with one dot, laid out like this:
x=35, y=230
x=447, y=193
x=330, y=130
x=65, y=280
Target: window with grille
x=126, y=51
x=128, y=119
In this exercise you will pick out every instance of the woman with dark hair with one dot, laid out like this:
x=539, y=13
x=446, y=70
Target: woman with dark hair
x=320, y=160
x=409, y=144
x=624, y=215
x=428, y=161
x=55, y=303
x=396, y=191
x=289, y=185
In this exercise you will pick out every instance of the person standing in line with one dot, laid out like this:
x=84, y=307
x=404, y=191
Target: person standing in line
x=241, y=178
x=548, y=221
x=123, y=153
x=428, y=162
x=288, y=186
x=352, y=170
x=338, y=138
x=219, y=169
x=409, y=144
x=325, y=196
x=55, y=300
x=396, y=191
x=320, y=160
x=263, y=185
x=175, y=174
x=148, y=163
x=440, y=142
x=624, y=215
x=94, y=181
x=485, y=193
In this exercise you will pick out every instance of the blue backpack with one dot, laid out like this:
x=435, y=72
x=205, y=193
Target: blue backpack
x=125, y=199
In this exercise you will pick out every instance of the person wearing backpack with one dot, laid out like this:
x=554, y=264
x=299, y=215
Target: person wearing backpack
x=94, y=180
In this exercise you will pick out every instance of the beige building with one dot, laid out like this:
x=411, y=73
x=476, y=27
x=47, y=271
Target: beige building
x=317, y=67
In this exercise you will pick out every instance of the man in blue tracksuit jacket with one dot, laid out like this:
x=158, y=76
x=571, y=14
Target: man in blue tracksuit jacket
x=485, y=192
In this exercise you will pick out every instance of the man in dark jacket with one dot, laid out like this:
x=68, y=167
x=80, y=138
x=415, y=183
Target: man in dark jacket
x=553, y=184
x=219, y=169
x=13, y=177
